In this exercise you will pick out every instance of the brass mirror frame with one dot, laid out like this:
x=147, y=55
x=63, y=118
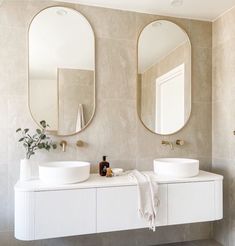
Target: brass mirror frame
x=94, y=91
x=137, y=86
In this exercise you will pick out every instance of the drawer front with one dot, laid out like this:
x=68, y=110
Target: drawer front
x=117, y=208
x=65, y=213
x=191, y=202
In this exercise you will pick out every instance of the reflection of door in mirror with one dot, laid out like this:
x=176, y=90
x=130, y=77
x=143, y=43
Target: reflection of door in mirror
x=164, y=77
x=61, y=66
x=170, y=106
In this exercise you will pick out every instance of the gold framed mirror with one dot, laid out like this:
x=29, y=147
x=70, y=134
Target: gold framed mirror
x=164, y=77
x=61, y=80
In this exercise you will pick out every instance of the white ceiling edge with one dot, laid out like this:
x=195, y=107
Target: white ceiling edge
x=149, y=11
x=154, y=12
x=222, y=14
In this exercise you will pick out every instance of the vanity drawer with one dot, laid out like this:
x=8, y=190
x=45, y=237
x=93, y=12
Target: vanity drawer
x=191, y=202
x=117, y=208
x=65, y=213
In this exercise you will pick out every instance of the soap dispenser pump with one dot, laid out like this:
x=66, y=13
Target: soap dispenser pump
x=103, y=165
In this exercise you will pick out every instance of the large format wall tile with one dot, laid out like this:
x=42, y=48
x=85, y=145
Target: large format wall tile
x=223, y=28
x=109, y=23
x=116, y=69
x=201, y=74
x=223, y=118
x=201, y=33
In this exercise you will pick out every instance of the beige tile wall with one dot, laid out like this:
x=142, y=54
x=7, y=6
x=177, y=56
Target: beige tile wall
x=223, y=105
x=115, y=130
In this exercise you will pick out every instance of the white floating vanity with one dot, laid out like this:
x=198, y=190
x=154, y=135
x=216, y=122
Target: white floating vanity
x=103, y=204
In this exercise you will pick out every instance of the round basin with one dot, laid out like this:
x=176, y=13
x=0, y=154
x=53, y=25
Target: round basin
x=64, y=172
x=176, y=167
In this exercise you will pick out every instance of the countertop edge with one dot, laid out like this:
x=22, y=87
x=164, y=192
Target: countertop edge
x=95, y=181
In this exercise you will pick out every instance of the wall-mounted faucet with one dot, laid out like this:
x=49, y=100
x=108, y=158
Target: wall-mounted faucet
x=63, y=144
x=164, y=142
x=178, y=142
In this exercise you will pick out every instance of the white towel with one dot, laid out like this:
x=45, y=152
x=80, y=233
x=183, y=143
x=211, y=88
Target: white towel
x=80, y=118
x=148, y=197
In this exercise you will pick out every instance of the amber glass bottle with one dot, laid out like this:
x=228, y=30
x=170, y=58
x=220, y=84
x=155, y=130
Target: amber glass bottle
x=103, y=165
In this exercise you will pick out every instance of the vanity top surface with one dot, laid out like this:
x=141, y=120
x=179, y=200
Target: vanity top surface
x=96, y=181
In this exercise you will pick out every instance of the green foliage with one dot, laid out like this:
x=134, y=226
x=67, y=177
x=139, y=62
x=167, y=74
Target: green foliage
x=39, y=140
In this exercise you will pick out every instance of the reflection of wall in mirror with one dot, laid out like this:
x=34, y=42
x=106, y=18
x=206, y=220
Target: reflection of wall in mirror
x=44, y=101
x=182, y=54
x=75, y=87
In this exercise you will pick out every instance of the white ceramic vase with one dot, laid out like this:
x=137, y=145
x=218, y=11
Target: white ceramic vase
x=28, y=170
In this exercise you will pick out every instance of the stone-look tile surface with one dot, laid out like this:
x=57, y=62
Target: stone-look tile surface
x=223, y=28
x=116, y=69
x=109, y=23
x=202, y=71
x=201, y=34
x=195, y=243
x=115, y=130
x=223, y=67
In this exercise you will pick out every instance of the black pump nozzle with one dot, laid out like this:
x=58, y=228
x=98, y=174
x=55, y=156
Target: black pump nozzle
x=104, y=157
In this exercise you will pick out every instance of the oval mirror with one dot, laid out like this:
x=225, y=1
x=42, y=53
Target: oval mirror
x=61, y=70
x=164, y=77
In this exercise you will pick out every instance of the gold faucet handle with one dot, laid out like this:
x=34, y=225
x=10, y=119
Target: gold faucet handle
x=180, y=142
x=80, y=143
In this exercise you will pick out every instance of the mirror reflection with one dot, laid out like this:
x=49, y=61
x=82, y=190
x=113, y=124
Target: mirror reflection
x=62, y=70
x=164, y=77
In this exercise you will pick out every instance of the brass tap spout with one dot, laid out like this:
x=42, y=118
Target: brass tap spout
x=164, y=142
x=63, y=144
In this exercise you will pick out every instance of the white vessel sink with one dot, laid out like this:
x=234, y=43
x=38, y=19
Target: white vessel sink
x=64, y=172
x=176, y=167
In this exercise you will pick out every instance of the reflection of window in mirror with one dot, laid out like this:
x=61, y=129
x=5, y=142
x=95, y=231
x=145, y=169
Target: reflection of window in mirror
x=170, y=106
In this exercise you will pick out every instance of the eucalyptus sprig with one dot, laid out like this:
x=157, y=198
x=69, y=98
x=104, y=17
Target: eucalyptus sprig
x=39, y=140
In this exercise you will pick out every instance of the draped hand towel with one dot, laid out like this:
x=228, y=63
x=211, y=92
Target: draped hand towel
x=80, y=118
x=148, y=196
